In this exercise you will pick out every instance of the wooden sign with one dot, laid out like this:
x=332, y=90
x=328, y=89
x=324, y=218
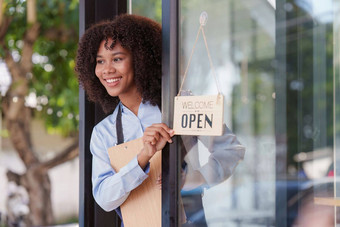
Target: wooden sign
x=198, y=115
x=143, y=207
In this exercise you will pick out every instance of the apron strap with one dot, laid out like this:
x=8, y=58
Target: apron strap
x=120, y=139
x=119, y=127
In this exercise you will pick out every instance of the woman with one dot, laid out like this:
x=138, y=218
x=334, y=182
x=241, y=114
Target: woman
x=119, y=66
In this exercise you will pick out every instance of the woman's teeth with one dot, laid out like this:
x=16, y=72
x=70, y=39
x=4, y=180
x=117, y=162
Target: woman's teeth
x=113, y=80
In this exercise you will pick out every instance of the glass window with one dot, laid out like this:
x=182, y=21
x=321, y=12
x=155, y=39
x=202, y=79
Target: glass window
x=147, y=8
x=277, y=67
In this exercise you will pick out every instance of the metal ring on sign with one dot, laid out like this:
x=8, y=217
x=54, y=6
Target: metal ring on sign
x=203, y=18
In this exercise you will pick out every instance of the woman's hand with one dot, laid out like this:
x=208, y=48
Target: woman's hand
x=155, y=137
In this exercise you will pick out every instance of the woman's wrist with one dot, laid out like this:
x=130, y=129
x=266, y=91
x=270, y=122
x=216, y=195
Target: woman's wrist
x=143, y=159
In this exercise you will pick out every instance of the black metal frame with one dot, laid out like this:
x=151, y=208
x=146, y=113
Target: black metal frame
x=170, y=155
x=280, y=112
x=90, y=214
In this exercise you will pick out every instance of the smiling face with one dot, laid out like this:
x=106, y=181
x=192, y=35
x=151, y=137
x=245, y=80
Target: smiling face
x=114, y=69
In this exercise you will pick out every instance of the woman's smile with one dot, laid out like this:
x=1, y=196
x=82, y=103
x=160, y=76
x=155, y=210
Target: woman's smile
x=111, y=82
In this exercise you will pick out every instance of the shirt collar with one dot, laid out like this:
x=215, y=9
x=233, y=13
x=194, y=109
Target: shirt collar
x=125, y=109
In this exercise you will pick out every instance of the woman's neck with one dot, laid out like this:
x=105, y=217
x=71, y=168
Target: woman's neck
x=132, y=102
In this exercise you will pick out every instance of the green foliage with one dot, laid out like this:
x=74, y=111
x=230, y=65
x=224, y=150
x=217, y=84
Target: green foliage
x=53, y=77
x=17, y=11
x=148, y=8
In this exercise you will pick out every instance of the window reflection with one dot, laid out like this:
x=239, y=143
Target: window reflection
x=277, y=64
x=208, y=161
x=242, y=50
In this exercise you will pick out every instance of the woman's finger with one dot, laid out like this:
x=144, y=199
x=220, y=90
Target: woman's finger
x=150, y=139
x=152, y=133
x=165, y=127
x=159, y=130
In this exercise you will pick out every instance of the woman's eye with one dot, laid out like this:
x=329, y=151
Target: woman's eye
x=100, y=61
x=117, y=59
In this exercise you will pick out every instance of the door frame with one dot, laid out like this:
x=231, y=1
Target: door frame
x=90, y=214
x=170, y=154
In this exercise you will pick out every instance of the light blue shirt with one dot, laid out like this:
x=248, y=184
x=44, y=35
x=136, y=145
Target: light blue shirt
x=111, y=189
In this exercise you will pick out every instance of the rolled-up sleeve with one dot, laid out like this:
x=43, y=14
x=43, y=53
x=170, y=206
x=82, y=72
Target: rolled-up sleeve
x=111, y=189
x=225, y=154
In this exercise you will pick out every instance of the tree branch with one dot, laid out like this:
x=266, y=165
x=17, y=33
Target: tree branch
x=19, y=179
x=18, y=89
x=31, y=36
x=31, y=12
x=13, y=67
x=12, y=176
x=20, y=137
x=69, y=153
x=5, y=22
x=1, y=12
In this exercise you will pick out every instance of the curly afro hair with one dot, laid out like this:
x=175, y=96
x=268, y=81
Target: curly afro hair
x=139, y=35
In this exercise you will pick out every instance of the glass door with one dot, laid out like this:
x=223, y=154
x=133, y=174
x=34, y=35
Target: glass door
x=276, y=65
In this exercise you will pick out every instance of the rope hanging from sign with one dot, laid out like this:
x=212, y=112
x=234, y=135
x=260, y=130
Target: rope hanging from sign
x=199, y=115
x=203, y=21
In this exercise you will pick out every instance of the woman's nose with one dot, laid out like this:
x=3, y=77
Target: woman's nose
x=109, y=68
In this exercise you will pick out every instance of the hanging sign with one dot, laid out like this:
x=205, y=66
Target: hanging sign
x=198, y=115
